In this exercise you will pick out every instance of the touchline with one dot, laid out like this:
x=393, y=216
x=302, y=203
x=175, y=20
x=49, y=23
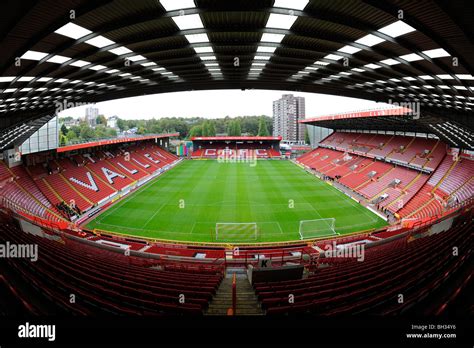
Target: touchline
x=26, y=251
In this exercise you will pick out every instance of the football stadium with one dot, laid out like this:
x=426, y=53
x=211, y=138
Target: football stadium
x=370, y=216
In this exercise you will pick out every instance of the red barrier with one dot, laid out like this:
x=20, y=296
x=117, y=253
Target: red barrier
x=234, y=295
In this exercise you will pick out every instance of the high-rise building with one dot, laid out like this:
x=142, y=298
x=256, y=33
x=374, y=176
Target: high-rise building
x=287, y=111
x=91, y=116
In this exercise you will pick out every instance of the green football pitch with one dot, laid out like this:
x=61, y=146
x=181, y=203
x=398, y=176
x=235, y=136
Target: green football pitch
x=185, y=203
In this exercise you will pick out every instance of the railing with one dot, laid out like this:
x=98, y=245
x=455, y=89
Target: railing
x=233, y=309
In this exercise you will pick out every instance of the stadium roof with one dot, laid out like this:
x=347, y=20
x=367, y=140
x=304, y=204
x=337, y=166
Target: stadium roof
x=90, y=51
x=399, y=119
x=113, y=141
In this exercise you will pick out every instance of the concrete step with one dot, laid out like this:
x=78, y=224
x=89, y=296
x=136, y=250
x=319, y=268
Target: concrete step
x=247, y=301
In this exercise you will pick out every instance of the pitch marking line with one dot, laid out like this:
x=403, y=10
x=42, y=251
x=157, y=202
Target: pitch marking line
x=156, y=212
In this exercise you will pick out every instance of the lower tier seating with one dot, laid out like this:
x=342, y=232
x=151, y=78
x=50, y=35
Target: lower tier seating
x=412, y=266
x=108, y=282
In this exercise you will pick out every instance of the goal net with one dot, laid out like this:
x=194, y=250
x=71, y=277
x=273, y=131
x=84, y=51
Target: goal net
x=236, y=232
x=317, y=228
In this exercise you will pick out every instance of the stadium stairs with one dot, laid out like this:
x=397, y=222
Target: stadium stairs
x=247, y=302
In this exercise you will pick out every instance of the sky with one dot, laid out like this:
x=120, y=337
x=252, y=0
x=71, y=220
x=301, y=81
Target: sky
x=219, y=103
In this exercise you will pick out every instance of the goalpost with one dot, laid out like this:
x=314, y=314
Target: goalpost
x=236, y=232
x=317, y=228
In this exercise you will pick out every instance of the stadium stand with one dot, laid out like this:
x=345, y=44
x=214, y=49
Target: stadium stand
x=213, y=147
x=372, y=286
x=108, y=282
x=347, y=158
x=458, y=181
x=108, y=174
x=83, y=180
x=367, y=171
x=19, y=189
x=410, y=151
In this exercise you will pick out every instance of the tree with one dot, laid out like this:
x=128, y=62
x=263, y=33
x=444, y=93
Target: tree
x=87, y=133
x=205, y=129
x=62, y=140
x=101, y=120
x=196, y=131
x=70, y=135
x=66, y=119
x=262, y=128
x=122, y=125
x=234, y=129
x=230, y=129
x=238, y=131
x=100, y=132
x=111, y=133
x=249, y=124
x=64, y=129
x=212, y=129
x=76, y=130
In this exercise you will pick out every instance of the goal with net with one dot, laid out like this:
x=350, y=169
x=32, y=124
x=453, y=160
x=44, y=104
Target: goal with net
x=236, y=232
x=317, y=228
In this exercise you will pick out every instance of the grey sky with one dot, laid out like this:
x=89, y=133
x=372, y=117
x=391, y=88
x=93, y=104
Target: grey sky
x=219, y=103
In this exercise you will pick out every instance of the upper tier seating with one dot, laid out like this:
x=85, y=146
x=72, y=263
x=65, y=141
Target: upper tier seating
x=419, y=152
x=431, y=159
